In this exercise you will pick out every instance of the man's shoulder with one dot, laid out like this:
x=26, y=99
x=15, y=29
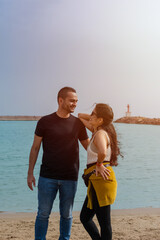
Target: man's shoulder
x=73, y=117
x=76, y=119
x=47, y=117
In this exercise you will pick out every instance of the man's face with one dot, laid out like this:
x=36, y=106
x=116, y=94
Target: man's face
x=70, y=102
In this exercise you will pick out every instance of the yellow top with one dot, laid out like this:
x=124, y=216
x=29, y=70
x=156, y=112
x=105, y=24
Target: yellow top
x=106, y=190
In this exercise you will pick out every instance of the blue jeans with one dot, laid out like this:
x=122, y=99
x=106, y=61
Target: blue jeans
x=47, y=191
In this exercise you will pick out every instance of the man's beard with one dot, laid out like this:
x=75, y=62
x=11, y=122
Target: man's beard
x=68, y=109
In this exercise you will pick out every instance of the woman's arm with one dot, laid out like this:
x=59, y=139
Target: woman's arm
x=84, y=117
x=100, y=142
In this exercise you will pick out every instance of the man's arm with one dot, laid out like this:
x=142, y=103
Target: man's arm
x=85, y=143
x=32, y=161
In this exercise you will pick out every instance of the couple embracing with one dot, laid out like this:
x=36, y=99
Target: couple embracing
x=59, y=133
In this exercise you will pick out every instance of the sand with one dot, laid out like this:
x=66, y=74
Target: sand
x=132, y=224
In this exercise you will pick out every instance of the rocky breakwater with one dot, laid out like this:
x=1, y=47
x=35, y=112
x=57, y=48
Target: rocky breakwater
x=138, y=120
x=19, y=118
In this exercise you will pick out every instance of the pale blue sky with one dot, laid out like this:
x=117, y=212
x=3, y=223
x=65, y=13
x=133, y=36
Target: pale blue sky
x=109, y=50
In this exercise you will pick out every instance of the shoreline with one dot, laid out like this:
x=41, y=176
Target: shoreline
x=127, y=224
x=114, y=212
x=125, y=120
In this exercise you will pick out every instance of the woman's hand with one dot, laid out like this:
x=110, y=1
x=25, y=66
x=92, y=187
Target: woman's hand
x=84, y=117
x=105, y=172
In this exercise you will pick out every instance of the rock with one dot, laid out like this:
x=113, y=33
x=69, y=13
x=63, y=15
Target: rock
x=19, y=118
x=138, y=120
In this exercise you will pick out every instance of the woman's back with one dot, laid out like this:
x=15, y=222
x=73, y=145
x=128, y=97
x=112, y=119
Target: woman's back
x=92, y=152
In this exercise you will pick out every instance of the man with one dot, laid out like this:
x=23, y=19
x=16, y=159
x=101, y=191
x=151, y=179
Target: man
x=59, y=133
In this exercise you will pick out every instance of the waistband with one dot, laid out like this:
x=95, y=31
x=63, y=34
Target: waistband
x=93, y=171
x=92, y=164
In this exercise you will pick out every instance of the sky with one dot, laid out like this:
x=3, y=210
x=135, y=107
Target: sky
x=108, y=50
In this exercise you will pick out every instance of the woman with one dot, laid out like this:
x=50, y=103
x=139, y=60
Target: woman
x=102, y=153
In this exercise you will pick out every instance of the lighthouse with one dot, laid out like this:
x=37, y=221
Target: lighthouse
x=128, y=113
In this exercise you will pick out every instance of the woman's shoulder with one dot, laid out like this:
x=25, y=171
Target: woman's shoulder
x=102, y=133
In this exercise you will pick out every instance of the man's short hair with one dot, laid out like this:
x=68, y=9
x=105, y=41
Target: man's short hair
x=63, y=92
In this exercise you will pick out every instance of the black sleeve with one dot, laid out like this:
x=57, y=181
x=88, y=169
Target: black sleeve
x=82, y=131
x=39, y=131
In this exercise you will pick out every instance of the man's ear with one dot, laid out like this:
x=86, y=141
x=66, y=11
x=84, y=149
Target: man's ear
x=60, y=100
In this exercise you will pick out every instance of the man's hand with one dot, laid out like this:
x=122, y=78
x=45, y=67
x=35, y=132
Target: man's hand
x=31, y=180
x=103, y=171
x=32, y=161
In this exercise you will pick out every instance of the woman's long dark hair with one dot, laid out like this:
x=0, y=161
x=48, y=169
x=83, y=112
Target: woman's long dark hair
x=105, y=111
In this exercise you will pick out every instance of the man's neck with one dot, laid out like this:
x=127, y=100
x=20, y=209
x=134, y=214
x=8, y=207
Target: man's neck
x=62, y=114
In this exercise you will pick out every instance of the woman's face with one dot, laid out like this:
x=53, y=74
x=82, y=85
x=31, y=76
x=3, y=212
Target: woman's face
x=94, y=120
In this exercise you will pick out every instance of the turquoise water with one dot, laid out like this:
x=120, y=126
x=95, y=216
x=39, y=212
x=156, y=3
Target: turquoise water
x=138, y=173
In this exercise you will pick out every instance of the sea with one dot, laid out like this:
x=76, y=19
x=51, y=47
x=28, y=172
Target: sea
x=138, y=172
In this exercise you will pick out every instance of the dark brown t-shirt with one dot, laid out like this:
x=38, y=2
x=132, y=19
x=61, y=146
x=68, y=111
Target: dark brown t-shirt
x=60, y=146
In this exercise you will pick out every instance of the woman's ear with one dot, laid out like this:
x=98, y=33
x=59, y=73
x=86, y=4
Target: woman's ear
x=100, y=120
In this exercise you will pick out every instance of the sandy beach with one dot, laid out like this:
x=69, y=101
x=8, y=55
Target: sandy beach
x=128, y=224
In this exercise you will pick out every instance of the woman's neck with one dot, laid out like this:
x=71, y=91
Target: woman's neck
x=95, y=129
